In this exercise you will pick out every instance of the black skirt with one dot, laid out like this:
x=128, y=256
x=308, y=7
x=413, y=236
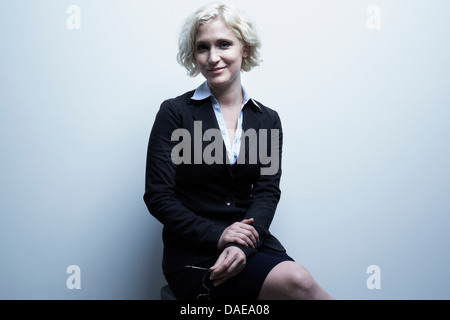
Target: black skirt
x=190, y=284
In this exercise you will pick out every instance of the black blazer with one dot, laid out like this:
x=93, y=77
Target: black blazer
x=196, y=202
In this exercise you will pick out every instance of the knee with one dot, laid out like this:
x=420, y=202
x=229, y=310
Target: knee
x=298, y=282
x=299, y=279
x=289, y=281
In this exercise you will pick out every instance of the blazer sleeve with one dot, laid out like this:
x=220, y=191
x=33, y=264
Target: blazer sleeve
x=160, y=196
x=266, y=190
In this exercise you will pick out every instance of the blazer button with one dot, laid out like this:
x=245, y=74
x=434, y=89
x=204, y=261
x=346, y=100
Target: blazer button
x=228, y=202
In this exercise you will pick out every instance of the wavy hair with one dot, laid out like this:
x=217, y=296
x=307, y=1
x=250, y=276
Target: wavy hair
x=241, y=25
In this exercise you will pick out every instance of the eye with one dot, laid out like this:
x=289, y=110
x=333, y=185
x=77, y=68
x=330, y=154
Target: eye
x=201, y=47
x=225, y=44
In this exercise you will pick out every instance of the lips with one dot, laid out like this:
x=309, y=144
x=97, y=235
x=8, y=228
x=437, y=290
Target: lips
x=216, y=70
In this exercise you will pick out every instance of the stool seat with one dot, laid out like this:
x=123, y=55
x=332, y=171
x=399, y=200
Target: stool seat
x=167, y=293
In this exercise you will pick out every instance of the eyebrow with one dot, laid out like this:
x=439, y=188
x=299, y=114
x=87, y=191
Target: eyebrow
x=216, y=41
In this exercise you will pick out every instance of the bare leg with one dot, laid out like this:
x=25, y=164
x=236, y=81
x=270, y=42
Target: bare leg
x=291, y=281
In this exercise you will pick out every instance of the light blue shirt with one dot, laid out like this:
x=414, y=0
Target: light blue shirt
x=203, y=92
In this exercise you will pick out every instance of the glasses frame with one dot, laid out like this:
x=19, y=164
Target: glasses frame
x=206, y=295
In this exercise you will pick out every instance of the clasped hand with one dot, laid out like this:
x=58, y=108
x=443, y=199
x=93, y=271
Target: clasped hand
x=232, y=260
x=242, y=233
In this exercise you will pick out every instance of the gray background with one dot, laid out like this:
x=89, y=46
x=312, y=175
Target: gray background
x=366, y=160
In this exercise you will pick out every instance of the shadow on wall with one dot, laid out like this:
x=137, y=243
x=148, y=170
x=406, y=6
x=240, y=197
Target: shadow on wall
x=123, y=263
x=143, y=277
x=147, y=279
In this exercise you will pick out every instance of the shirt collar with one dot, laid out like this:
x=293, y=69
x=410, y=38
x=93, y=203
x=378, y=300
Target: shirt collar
x=203, y=92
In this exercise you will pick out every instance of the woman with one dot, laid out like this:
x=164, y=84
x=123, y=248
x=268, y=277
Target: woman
x=213, y=173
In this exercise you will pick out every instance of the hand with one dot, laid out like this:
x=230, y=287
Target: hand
x=230, y=262
x=242, y=233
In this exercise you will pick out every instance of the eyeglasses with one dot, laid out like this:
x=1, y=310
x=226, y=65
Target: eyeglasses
x=208, y=290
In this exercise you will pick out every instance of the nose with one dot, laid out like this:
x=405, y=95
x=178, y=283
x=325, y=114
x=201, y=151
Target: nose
x=213, y=57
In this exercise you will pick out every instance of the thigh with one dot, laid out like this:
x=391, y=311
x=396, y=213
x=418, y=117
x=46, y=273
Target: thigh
x=290, y=280
x=280, y=281
x=248, y=283
x=190, y=283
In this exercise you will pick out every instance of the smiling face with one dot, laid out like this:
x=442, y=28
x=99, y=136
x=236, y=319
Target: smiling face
x=219, y=54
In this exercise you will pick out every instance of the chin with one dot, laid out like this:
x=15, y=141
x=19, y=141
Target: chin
x=217, y=82
x=220, y=81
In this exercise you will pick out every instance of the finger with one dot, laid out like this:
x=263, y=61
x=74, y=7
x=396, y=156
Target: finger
x=228, y=261
x=244, y=232
x=235, y=268
x=222, y=264
x=227, y=236
x=250, y=233
x=246, y=236
x=248, y=221
x=219, y=261
x=221, y=277
x=239, y=238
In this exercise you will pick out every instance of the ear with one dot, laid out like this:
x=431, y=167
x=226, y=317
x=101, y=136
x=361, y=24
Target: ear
x=245, y=51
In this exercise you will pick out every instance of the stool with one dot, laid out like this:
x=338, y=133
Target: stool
x=167, y=294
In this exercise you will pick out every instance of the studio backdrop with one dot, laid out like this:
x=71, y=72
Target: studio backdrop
x=362, y=89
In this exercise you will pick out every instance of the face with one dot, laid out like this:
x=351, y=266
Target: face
x=219, y=54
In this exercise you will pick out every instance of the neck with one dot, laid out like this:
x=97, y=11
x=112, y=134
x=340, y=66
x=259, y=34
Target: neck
x=230, y=95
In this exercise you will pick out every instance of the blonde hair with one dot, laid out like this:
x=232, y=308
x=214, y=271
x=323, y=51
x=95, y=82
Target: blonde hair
x=243, y=28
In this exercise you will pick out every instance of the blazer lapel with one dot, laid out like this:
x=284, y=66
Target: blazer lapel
x=252, y=117
x=204, y=112
x=205, y=119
